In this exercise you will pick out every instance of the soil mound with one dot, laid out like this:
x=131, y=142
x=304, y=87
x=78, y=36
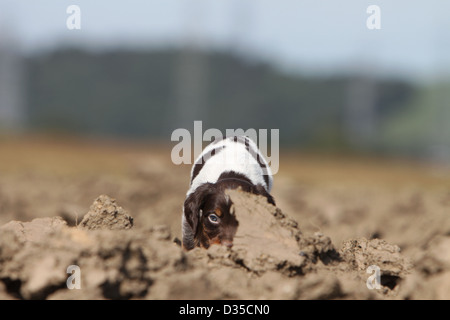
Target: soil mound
x=271, y=259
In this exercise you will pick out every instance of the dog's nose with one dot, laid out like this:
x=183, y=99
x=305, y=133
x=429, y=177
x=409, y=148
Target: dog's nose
x=227, y=243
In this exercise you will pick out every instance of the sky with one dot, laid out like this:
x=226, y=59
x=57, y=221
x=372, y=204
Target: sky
x=320, y=37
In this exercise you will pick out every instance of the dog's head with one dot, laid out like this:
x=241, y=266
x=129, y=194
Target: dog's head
x=208, y=218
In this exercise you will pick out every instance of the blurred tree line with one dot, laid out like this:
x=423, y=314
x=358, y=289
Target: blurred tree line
x=145, y=95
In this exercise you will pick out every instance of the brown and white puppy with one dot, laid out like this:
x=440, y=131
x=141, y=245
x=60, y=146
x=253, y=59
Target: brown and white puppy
x=208, y=213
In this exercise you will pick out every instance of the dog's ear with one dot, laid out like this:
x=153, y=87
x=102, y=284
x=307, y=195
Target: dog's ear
x=262, y=191
x=192, y=213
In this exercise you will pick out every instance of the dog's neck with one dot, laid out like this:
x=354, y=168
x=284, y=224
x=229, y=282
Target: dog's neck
x=235, y=179
x=231, y=179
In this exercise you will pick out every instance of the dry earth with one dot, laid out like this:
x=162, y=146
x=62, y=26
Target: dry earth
x=335, y=218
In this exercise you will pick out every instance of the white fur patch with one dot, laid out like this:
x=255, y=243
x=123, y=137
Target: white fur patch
x=234, y=157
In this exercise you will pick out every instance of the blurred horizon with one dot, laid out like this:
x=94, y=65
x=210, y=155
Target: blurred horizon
x=313, y=70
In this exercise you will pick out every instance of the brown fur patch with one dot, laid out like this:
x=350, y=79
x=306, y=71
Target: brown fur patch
x=214, y=240
x=209, y=197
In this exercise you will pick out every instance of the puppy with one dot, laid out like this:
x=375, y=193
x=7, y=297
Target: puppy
x=208, y=213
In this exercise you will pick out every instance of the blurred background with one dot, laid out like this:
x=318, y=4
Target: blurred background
x=141, y=69
x=363, y=114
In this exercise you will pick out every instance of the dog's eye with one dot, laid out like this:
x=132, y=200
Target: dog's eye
x=213, y=218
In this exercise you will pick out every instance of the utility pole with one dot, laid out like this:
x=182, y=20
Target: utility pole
x=361, y=120
x=191, y=78
x=241, y=23
x=12, y=114
x=439, y=130
x=360, y=113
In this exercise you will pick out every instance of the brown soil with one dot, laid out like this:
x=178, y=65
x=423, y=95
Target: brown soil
x=334, y=220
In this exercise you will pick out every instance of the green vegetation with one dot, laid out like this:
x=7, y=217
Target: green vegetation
x=137, y=94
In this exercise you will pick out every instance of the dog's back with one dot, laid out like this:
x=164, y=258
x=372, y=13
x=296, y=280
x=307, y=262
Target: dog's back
x=237, y=154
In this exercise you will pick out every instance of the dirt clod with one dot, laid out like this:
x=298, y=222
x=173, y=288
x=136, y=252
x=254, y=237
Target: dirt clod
x=106, y=214
x=271, y=259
